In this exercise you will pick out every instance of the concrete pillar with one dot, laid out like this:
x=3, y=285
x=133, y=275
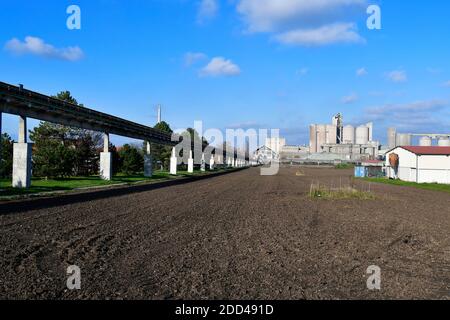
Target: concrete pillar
x=203, y=163
x=173, y=163
x=22, y=129
x=190, y=162
x=22, y=158
x=106, y=160
x=148, y=161
x=234, y=163
x=212, y=163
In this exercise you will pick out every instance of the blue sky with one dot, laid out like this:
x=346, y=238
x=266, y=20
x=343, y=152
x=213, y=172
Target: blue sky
x=237, y=63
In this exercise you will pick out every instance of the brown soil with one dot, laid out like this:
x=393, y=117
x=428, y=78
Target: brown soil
x=237, y=236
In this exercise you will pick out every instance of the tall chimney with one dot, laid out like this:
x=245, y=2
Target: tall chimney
x=159, y=113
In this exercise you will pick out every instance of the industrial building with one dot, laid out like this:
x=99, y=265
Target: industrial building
x=277, y=149
x=420, y=164
x=294, y=152
x=347, y=143
x=425, y=139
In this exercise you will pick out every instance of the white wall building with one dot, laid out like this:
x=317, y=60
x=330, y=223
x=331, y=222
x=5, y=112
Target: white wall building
x=265, y=155
x=420, y=164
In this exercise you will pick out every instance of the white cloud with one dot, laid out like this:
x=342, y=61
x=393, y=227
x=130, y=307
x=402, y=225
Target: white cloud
x=207, y=9
x=426, y=115
x=38, y=47
x=446, y=84
x=191, y=58
x=303, y=72
x=219, y=66
x=434, y=71
x=303, y=22
x=352, y=98
x=361, y=72
x=329, y=34
x=397, y=76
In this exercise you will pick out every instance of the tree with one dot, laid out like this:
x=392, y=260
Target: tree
x=67, y=97
x=6, y=156
x=131, y=160
x=116, y=161
x=53, y=156
x=86, y=143
x=162, y=153
x=62, y=151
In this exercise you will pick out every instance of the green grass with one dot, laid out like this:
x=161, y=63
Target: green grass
x=39, y=185
x=426, y=186
x=324, y=192
x=344, y=166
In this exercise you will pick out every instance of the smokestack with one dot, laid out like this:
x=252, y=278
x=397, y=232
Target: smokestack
x=159, y=113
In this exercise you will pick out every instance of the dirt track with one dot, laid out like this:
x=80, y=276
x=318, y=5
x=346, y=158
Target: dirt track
x=238, y=236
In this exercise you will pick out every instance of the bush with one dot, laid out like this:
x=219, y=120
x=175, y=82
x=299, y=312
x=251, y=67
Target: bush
x=131, y=160
x=323, y=192
x=6, y=156
x=53, y=160
x=343, y=166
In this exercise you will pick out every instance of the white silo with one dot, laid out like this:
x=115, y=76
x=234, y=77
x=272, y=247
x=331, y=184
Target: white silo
x=392, y=138
x=370, y=127
x=331, y=134
x=349, y=135
x=321, y=136
x=362, y=135
x=444, y=142
x=403, y=140
x=312, y=138
x=426, y=142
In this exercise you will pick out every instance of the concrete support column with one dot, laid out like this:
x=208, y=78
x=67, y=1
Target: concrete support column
x=106, y=160
x=203, y=163
x=22, y=158
x=148, y=161
x=173, y=163
x=234, y=163
x=22, y=130
x=190, y=162
x=212, y=163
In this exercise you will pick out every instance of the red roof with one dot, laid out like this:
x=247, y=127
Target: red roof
x=437, y=151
